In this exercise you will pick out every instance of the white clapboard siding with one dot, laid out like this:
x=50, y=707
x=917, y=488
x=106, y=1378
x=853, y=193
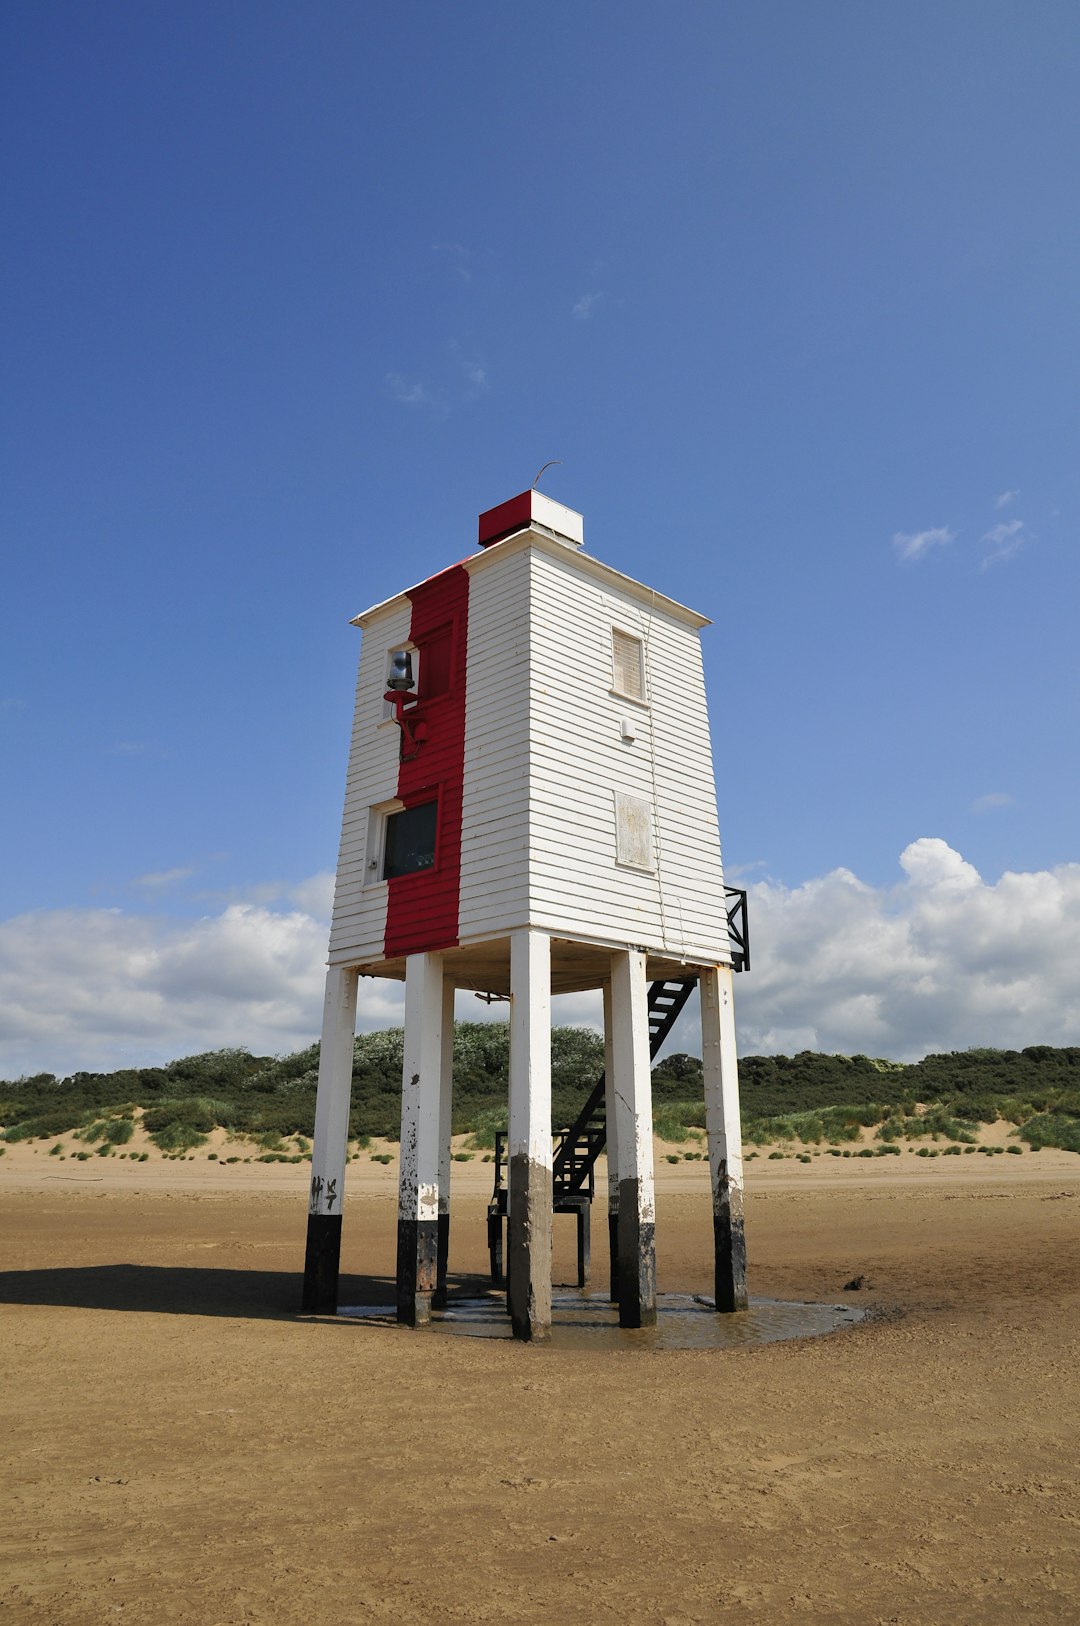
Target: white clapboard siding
x=545, y=760
x=359, y=921
x=494, y=896
x=578, y=760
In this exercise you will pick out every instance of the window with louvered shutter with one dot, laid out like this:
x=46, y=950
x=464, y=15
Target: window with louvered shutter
x=633, y=832
x=628, y=665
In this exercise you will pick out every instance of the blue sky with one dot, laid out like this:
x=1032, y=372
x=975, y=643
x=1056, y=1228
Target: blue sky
x=293, y=291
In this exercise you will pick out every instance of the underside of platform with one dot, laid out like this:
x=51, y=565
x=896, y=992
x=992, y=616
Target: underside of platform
x=576, y=966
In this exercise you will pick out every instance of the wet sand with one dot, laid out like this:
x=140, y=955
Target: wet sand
x=180, y=1446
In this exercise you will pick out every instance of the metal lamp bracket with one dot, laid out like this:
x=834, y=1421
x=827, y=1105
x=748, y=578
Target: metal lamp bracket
x=413, y=731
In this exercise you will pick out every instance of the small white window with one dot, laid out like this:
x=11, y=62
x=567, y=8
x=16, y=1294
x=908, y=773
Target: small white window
x=377, y=817
x=628, y=665
x=633, y=831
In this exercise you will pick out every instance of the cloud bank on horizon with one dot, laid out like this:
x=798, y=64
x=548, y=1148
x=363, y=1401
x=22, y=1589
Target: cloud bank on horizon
x=942, y=960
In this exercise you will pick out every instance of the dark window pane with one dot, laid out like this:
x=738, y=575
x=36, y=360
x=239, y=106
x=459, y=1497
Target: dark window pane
x=410, y=840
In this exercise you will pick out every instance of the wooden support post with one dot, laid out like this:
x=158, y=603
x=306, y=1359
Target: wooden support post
x=418, y=1189
x=529, y=1161
x=446, y=1104
x=322, y=1259
x=724, y=1134
x=612, y=1127
x=634, y=1132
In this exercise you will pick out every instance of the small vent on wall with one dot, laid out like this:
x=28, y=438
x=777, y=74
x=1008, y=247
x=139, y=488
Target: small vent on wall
x=628, y=665
x=633, y=831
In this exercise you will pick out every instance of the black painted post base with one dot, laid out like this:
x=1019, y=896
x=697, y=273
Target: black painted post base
x=321, y=1262
x=729, y=1239
x=529, y=1218
x=438, y=1298
x=417, y=1270
x=584, y=1244
x=613, y=1255
x=495, y=1246
x=637, y=1261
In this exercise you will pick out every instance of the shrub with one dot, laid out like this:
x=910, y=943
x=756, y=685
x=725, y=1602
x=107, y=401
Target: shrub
x=1052, y=1129
x=175, y=1137
x=670, y=1128
x=92, y=1131
x=485, y=1125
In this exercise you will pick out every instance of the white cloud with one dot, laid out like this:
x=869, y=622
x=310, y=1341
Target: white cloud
x=315, y=895
x=993, y=799
x=412, y=394
x=161, y=880
x=941, y=961
x=98, y=988
x=1004, y=498
x=1003, y=541
x=586, y=305
x=917, y=544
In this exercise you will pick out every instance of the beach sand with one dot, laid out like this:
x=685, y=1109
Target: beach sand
x=180, y=1446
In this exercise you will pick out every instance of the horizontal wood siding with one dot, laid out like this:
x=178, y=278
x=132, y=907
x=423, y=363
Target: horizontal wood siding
x=495, y=821
x=578, y=760
x=422, y=908
x=542, y=760
x=359, y=921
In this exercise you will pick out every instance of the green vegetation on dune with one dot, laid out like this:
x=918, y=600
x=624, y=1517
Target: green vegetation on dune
x=810, y=1098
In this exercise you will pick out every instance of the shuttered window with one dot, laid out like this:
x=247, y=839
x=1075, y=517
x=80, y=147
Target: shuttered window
x=633, y=831
x=628, y=663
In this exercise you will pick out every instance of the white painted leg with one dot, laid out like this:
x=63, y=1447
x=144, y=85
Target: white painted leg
x=529, y=1202
x=446, y=1105
x=610, y=1120
x=418, y=1189
x=634, y=1132
x=331, y=1142
x=724, y=1133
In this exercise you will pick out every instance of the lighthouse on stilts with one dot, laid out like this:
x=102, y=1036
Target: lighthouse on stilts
x=530, y=810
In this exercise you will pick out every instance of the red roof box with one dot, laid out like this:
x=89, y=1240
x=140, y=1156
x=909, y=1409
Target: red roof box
x=531, y=507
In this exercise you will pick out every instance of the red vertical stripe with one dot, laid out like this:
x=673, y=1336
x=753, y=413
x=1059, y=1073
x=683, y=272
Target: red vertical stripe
x=422, y=909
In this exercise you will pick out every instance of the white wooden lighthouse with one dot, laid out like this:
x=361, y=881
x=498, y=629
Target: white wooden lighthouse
x=530, y=810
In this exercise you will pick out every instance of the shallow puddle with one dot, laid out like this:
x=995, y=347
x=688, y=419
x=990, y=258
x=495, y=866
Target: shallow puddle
x=683, y=1321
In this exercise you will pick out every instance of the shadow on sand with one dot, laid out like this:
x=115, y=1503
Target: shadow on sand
x=263, y=1295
